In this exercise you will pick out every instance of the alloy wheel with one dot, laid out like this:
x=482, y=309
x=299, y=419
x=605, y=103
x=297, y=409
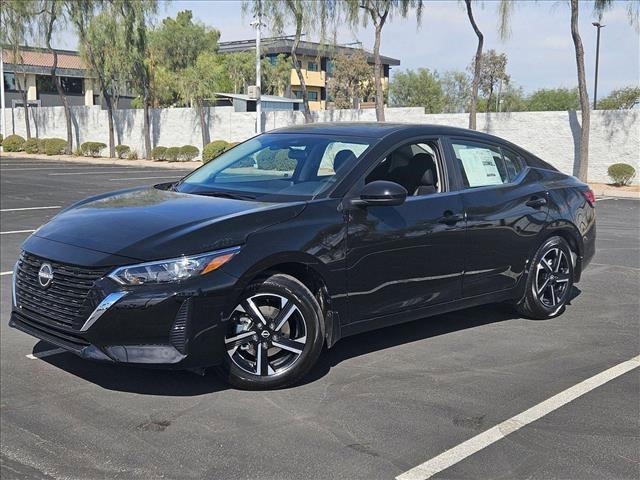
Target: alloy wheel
x=267, y=334
x=552, y=277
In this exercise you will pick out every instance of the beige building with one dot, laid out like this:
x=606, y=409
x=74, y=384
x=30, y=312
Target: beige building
x=32, y=72
x=316, y=64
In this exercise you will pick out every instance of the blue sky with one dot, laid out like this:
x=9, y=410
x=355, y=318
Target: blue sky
x=540, y=49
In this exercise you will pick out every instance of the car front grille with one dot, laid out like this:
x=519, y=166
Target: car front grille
x=65, y=302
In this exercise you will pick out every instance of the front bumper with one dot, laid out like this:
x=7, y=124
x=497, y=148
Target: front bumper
x=173, y=325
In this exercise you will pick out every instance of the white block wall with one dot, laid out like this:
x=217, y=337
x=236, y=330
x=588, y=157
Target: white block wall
x=553, y=136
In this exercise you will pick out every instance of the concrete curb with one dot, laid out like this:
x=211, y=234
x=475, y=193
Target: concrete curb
x=103, y=161
x=601, y=190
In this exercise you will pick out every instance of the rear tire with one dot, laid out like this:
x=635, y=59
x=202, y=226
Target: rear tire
x=275, y=334
x=549, y=282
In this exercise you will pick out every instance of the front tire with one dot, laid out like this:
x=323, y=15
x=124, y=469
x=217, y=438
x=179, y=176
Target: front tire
x=549, y=281
x=275, y=334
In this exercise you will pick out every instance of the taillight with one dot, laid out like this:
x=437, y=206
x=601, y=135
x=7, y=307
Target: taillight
x=589, y=195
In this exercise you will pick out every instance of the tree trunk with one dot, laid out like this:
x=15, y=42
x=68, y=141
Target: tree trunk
x=112, y=144
x=308, y=118
x=377, y=75
x=584, y=96
x=473, y=104
x=23, y=94
x=63, y=98
x=203, y=125
x=146, y=126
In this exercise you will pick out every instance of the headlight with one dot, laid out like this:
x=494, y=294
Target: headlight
x=173, y=270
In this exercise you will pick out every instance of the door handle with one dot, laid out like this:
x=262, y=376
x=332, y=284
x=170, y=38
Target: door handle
x=450, y=218
x=536, y=202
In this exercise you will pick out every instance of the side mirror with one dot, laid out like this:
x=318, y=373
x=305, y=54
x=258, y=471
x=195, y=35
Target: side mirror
x=381, y=193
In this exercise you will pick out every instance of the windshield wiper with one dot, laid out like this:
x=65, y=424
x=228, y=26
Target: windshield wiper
x=235, y=196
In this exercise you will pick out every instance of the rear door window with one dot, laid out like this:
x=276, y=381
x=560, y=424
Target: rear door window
x=480, y=164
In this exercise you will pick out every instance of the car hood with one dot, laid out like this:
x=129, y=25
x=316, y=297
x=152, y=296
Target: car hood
x=151, y=224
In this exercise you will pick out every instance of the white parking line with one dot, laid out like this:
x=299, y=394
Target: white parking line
x=70, y=167
x=46, y=353
x=93, y=172
x=139, y=178
x=16, y=231
x=5, y=273
x=28, y=208
x=483, y=440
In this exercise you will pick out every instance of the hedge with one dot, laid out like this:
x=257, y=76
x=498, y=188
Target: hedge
x=30, y=145
x=13, y=143
x=132, y=155
x=122, y=151
x=172, y=154
x=41, y=145
x=92, y=149
x=275, y=160
x=159, y=153
x=54, y=146
x=213, y=150
x=188, y=153
x=621, y=173
x=231, y=145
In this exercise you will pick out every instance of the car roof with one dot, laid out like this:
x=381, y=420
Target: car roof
x=381, y=129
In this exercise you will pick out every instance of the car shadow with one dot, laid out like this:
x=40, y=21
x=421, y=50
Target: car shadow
x=124, y=378
x=182, y=383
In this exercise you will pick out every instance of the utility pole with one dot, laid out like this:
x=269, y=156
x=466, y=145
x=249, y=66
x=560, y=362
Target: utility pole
x=3, y=124
x=598, y=25
x=258, y=26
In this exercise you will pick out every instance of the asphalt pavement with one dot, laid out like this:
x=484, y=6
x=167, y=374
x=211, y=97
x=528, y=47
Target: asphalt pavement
x=377, y=405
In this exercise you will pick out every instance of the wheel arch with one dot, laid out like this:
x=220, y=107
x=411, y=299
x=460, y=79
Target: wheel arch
x=570, y=233
x=311, y=273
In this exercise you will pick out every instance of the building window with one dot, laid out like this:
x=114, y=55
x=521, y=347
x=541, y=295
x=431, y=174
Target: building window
x=273, y=59
x=10, y=82
x=70, y=85
x=312, y=66
x=311, y=96
x=329, y=68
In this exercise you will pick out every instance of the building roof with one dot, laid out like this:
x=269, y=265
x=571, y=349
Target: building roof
x=285, y=44
x=264, y=98
x=40, y=60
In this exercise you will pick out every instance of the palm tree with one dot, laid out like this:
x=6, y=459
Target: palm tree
x=599, y=7
x=473, y=102
x=378, y=12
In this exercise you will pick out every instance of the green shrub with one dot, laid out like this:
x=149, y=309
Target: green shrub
x=132, y=155
x=122, y=151
x=172, y=154
x=92, y=149
x=1, y=138
x=13, y=143
x=41, y=144
x=54, y=146
x=77, y=152
x=275, y=160
x=188, y=153
x=159, y=153
x=213, y=150
x=231, y=145
x=621, y=173
x=30, y=145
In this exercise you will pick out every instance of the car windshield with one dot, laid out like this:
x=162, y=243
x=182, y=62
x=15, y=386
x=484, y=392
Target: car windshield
x=277, y=167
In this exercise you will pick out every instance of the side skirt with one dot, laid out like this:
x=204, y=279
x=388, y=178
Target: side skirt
x=411, y=315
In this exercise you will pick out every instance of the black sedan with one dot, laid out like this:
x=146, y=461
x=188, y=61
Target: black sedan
x=299, y=237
